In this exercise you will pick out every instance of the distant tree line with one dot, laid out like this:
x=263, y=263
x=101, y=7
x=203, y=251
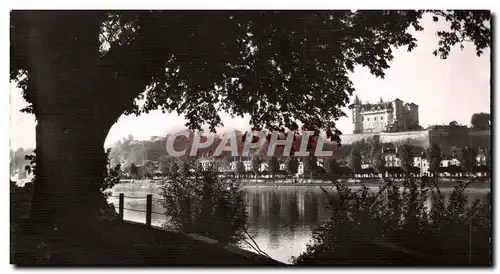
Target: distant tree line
x=18, y=161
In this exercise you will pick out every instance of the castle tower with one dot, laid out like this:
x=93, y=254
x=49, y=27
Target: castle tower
x=398, y=120
x=356, y=116
x=413, y=115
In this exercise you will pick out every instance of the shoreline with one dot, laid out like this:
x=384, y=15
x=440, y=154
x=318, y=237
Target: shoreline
x=484, y=184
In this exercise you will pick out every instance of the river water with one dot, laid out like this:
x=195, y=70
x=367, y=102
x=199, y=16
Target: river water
x=280, y=219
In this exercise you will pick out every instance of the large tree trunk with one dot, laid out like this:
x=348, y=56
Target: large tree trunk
x=72, y=117
x=77, y=95
x=70, y=166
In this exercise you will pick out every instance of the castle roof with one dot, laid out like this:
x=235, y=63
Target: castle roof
x=381, y=106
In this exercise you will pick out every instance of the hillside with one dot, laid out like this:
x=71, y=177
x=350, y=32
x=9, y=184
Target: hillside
x=448, y=138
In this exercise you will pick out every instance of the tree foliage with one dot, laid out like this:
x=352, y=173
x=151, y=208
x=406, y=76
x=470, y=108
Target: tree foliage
x=292, y=165
x=378, y=163
x=376, y=155
x=376, y=145
x=332, y=166
x=31, y=167
x=465, y=26
x=467, y=159
x=240, y=167
x=18, y=160
x=226, y=162
x=166, y=164
x=111, y=176
x=487, y=153
x=243, y=61
x=480, y=121
x=405, y=154
x=433, y=154
x=310, y=165
x=256, y=164
x=134, y=170
x=364, y=147
x=355, y=160
x=274, y=165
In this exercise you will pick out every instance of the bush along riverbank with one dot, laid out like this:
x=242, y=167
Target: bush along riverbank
x=395, y=226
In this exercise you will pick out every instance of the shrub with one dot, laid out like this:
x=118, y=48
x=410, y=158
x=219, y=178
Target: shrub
x=199, y=201
x=394, y=225
x=111, y=177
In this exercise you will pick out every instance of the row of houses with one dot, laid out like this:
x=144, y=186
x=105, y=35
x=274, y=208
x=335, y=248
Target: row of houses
x=450, y=164
x=392, y=161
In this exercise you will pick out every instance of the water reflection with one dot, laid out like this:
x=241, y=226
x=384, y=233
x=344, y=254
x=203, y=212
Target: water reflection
x=280, y=219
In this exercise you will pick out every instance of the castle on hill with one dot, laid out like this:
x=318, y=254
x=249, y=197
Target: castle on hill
x=390, y=116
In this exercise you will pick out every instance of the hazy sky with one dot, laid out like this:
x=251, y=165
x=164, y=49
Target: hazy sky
x=445, y=90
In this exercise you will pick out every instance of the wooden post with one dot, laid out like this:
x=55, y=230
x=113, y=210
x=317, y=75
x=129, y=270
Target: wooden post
x=149, y=209
x=120, y=210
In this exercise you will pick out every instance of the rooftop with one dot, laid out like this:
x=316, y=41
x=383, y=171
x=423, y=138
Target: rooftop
x=381, y=104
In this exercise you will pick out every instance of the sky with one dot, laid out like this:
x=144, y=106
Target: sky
x=445, y=90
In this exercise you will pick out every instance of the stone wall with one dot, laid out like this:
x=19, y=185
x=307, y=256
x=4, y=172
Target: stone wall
x=446, y=137
x=416, y=138
x=480, y=138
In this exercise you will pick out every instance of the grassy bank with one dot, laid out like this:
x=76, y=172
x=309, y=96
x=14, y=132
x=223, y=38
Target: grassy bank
x=124, y=243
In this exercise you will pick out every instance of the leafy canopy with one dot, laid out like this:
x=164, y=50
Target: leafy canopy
x=480, y=121
x=280, y=67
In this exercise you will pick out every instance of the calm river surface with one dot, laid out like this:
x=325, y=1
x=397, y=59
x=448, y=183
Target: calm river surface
x=280, y=219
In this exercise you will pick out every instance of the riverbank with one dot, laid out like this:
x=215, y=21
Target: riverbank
x=371, y=183
x=118, y=243
x=445, y=183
